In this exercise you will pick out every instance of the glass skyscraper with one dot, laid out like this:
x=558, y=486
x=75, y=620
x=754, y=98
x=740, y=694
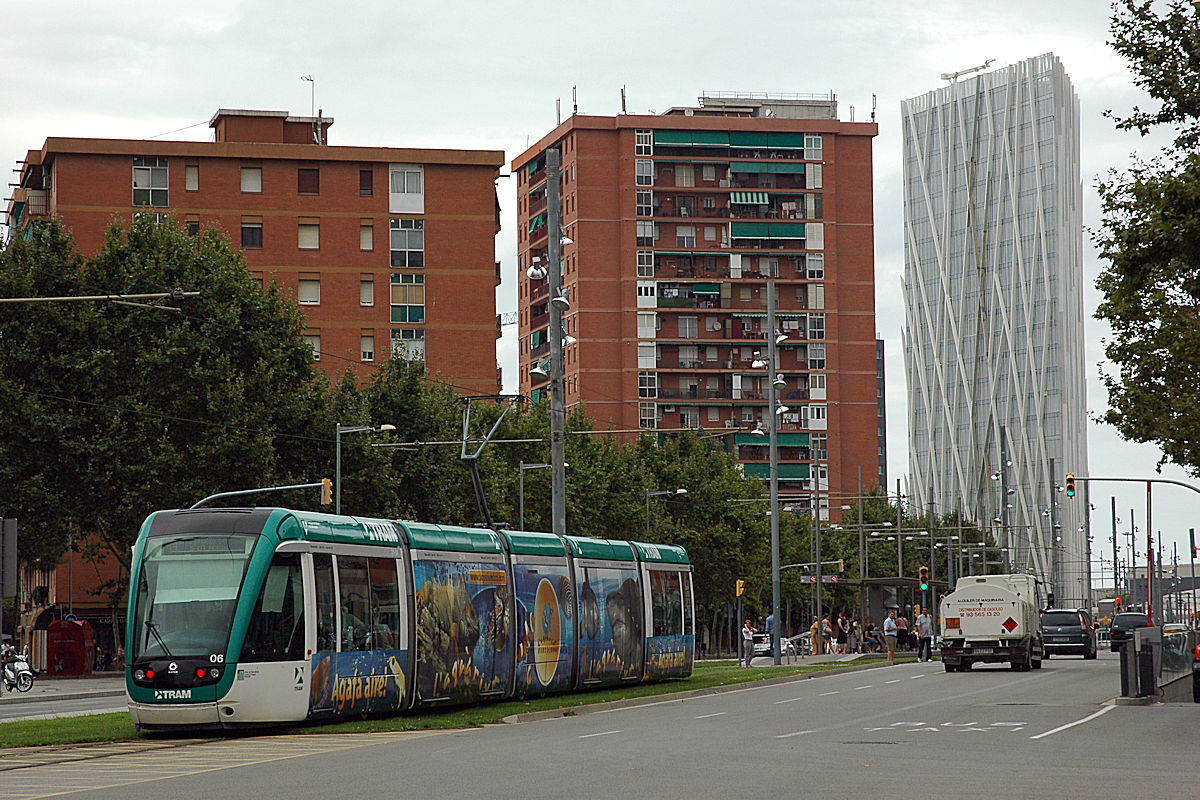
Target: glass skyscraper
x=993, y=290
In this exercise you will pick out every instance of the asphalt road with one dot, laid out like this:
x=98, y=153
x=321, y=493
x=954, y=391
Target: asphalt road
x=907, y=730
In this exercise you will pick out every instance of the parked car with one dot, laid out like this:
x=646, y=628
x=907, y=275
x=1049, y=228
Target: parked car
x=1123, y=625
x=1068, y=631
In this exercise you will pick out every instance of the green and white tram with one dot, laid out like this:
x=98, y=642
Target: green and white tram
x=252, y=616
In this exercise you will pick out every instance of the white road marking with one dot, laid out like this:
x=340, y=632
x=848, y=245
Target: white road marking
x=895, y=681
x=914, y=677
x=1009, y=724
x=1088, y=718
x=826, y=694
x=858, y=688
x=706, y=716
x=788, y=735
x=590, y=735
x=789, y=700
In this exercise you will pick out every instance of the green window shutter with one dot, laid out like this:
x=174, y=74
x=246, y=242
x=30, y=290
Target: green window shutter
x=710, y=138
x=750, y=139
x=749, y=230
x=786, y=141
x=672, y=137
x=749, y=166
x=787, y=167
x=786, y=230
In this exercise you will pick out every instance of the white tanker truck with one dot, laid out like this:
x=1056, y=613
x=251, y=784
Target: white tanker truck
x=992, y=619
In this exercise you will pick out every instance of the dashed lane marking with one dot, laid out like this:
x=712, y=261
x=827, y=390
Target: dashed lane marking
x=602, y=733
x=789, y=735
x=706, y=716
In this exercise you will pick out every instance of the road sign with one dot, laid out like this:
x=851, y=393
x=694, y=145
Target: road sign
x=824, y=579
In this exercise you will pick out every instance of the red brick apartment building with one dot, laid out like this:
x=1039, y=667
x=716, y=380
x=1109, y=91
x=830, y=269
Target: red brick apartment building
x=386, y=249
x=673, y=224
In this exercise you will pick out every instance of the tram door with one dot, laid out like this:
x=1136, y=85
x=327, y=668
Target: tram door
x=360, y=662
x=271, y=682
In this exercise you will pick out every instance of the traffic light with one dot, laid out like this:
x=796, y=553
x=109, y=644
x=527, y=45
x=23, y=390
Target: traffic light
x=923, y=574
x=1070, y=484
x=741, y=587
x=326, y=491
x=1192, y=533
x=1117, y=604
x=841, y=565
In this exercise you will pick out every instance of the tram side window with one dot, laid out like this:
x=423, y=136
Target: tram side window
x=385, y=605
x=689, y=626
x=326, y=602
x=355, y=597
x=276, y=631
x=665, y=602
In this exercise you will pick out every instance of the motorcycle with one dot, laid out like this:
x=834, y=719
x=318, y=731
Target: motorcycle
x=17, y=674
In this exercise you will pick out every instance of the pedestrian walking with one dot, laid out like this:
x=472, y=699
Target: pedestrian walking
x=827, y=641
x=902, y=632
x=889, y=636
x=925, y=634
x=748, y=642
x=843, y=633
x=814, y=637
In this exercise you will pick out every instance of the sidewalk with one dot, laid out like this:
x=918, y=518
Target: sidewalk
x=100, y=684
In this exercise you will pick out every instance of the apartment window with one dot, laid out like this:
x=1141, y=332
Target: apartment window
x=816, y=295
x=685, y=175
x=409, y=344
x=366, y=291
x=744, y=294
x=820, y=446
x=643, y=143
x=816, y=266
x=644, y=168
x=406, y=189
x=689, y=327
x=645, y=233
x=367, y=346
x=366, y=182
x=710, y=233
x=191, y=178
x=257, y=279
x=193, y=227
x=645, y=264
x=647, y=324
x=252, y=234
x=645, y=203
x=308, y=181
x=816, y=412
x=816, y=326
x=408, y=298
x=812, y=145
x=816, y=356
x=313, y=340
x=308, y=236
x=647, y=416
x=647, y=355
x=709, y=172
x=309, y=293
x=647, y=384
x=366, y=236
x=252, y=180
x=149, y=181
x=816, y=382
x=685, y=236
x=407, y=243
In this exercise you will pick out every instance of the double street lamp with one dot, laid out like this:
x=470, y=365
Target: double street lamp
x=337, y=470
x=659, y=493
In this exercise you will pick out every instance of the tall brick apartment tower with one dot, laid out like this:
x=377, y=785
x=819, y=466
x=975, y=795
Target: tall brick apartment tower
x=386, y=249
x=673, y=224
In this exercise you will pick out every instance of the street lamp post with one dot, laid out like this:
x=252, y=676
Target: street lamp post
x=521, y=467
x=658, y=493
x=337, y=470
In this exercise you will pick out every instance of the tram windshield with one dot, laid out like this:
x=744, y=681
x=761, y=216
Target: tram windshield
x=187, y=593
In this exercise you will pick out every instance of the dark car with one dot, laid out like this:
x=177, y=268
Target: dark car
x=1123, y=625
x=1068, y=631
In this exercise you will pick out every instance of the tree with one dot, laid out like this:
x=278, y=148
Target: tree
x=1151, y=238
x=119, y=410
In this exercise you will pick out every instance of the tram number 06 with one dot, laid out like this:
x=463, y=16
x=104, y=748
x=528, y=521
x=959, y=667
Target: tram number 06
x=217, y=658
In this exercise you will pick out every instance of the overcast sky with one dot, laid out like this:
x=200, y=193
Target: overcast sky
x=486, y=75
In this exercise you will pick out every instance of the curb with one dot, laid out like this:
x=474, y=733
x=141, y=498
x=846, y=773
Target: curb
x=9, y=699
x=611, y=705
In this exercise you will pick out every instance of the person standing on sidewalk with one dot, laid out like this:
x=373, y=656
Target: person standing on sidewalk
x=748, y=642
x=889, y=636
x=924, y=624
x=771, y=632
x=814, y=640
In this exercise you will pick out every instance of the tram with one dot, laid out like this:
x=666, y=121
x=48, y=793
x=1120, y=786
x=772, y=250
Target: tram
x=256, y=616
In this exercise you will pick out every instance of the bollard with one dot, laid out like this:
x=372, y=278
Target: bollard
x=1129, y=679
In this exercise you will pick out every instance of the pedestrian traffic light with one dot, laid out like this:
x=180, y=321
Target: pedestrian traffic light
x=326, y=491
x=923, y=574
x=1070, y=484
x=741, y=587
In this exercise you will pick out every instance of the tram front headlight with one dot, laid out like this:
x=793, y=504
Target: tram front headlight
x=214, y=673
x=139, y=675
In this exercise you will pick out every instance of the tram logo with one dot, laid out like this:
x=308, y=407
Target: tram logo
x=172, y=694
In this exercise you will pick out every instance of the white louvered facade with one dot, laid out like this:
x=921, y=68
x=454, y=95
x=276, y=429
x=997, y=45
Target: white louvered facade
x=993, y=289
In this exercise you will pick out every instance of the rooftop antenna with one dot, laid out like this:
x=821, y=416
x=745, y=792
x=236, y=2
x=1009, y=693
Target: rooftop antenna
x=622, y=99
x=312, y=108
x=874, y=103
x=557, y=111
x=954, y=76
x=574, y=102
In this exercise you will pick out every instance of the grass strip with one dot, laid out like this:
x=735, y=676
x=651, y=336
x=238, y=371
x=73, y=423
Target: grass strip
x=117, y=727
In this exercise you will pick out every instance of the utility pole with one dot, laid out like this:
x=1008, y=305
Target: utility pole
x=1116, y=587
x=558, y=474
